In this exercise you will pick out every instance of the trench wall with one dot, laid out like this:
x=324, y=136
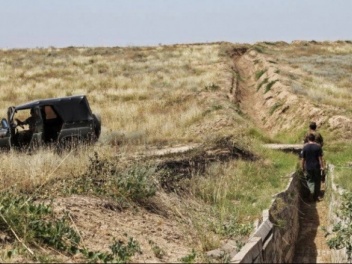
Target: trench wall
x=275, y=238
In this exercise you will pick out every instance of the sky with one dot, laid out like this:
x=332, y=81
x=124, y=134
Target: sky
x=97, y=23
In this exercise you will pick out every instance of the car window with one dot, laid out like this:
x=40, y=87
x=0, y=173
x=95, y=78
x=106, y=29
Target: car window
x=49, y=112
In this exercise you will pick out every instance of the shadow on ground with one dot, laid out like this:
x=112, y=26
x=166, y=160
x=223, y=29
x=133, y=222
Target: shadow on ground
x=306, y=250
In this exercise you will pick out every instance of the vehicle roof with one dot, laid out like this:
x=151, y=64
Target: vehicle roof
x=51, y=101
x=70, y=108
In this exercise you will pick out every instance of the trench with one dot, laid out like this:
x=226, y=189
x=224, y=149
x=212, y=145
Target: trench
x=311, y=245
x=307, y=242
x=293, y=229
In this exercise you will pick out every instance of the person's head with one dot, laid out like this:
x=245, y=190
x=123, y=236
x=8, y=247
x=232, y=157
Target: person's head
x=313, y=126
x=311, y=137
x=33, y=112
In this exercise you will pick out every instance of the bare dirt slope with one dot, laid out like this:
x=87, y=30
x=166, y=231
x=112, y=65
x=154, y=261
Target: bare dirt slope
x=265, y=96
x=159, y=234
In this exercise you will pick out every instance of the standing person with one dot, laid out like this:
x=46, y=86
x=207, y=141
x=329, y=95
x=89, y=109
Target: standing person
x=312, y=165
x=313, y=130
x=319, y=140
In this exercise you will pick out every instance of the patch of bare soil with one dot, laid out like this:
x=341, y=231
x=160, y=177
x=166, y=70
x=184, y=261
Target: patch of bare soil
x=161, y=235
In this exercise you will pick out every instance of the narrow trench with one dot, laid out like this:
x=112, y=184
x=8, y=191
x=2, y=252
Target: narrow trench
x=311, y=246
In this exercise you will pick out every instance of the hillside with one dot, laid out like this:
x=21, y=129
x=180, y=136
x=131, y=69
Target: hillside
x=131, y=197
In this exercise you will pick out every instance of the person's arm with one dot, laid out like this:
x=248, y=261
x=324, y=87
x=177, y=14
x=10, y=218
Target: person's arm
x=302, y=164
x=25, y=122
x=321, y=162
x=20, y=123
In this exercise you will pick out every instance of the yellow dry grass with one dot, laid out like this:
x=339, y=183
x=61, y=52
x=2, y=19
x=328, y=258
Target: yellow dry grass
x=148, y=95
x=161, y=96
x=150, y=90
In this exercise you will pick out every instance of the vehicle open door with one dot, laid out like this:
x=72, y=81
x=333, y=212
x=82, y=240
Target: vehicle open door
x=5, y=134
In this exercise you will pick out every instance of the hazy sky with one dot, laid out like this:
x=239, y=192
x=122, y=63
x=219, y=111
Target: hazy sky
x=62, y=23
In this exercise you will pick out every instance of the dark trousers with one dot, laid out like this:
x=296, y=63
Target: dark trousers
x=314, y=182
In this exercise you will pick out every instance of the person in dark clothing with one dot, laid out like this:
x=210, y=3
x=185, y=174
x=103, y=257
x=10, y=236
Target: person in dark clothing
x=312, y=165
x=30, y=121
x=313, y=130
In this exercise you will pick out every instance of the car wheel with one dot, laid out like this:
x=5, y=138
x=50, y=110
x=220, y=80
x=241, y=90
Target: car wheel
x=68, y=144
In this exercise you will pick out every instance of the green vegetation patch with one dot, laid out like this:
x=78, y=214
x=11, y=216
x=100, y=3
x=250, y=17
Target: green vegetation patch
x=269, y=85
x=35, y=225
x=259, y=74
x=103, y=177
x=342, y=231
x=262, y=83
x=275, y=107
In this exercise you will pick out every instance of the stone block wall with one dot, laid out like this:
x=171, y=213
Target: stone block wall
x=275, y=238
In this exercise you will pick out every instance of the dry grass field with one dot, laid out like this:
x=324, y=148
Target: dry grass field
x=113, y=202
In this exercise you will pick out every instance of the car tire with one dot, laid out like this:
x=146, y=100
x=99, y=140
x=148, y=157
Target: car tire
x=68, y=144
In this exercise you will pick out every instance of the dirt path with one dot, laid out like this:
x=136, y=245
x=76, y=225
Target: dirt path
x=311, y=246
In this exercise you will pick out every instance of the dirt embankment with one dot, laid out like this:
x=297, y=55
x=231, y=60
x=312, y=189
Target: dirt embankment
x=266, y=97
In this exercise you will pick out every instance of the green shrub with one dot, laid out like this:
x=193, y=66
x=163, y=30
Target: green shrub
x=259, y=49
x=137, y=183
x=269, y=85
x=275, y=107
x=343, y=230
x=259, y=74
x=212, y=87
x=103, y=177
x=120, y=253
x=190, y=258
x=261, y=83
x=35, y=223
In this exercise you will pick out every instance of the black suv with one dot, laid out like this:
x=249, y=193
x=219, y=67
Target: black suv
x=60, y=121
